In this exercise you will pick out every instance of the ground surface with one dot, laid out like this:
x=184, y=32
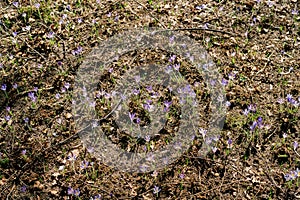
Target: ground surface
x=255, y=46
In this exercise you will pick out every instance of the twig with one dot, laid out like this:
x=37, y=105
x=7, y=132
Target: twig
x=24, y=42
x=34, y=50
x=198, y=28
x=13, y=187
x=150, y=13
x=102, y=190
x=27, y=91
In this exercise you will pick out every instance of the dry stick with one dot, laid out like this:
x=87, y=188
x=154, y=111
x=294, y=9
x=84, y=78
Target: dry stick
x=270, y=178
x=227, y=184
x=222, y=180
x=150, y=13
x=197, y=29
x=42, y=89
x=101, y=190
x=34, y=50
x=13, y=187
x=24, y=42
x=62, y=142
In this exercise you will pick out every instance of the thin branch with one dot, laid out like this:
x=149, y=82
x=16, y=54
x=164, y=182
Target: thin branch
x=198, y=28
x=150, y=13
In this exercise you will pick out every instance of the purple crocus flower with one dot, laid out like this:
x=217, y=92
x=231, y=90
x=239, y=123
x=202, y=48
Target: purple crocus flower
x=23, y=188
x=287, y=177
x=259, y=122
x=246, y=112
x=131, y=116
x=252, y=127
x=270, y=3
x=167, y=105
x=203, y=132
x=64, y=16
x=172, y=39
x=84, y=164
x=16, y=4
x=254, y=19
x=63, y=90
x=148, y=101
x=289, y=97
x=50, y=34
x=284, y=135
x=7, y=118
x=229, y=142
x=71, y=157
x=77, y=51
x=295, y=12
x=138, y=120
x=97, y=197
x=294, y=103
x=3, y=87
x=295, y=145
x=147, y=138
x=231, y=76
x=68, y=7
x=156, y=190
x=181, y=175
x=147, y=106
x=136, y=91
x=26, y=120
x=298, y=172
x=224, y=82
x=67, y=85
x=205, y=26
x=172, y=58
x=252, y=108
x=228, y=104
x=32, y=96
x=57, y=96
x=214, y=149
x=23, y=152
x=280, y=101
x=176, y=67
x=70, y=191
x=15, y=86
x=169, y=69
x=293, y=175
x=37, y=5
x=110, y=70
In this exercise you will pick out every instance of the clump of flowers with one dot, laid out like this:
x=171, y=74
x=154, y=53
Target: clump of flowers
x=295, y=101
x=97, y=197
x=156, y=190
x=257, y=123
x=75, y=192
x=292, y=175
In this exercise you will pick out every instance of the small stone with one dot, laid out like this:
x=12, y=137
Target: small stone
x=31, y=20
x=68, y=115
